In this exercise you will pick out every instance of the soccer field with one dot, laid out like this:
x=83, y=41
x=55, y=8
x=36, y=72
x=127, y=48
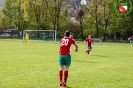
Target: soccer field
x=109, y=65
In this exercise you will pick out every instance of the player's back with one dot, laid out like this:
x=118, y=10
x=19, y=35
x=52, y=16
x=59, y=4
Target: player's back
x=65, y=44
x=89, y=40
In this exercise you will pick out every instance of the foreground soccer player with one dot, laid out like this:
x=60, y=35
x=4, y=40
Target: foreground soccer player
x=88, y=41
x=65, y=56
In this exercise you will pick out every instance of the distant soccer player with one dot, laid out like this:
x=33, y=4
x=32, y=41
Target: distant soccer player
x=65, y=56
x=88, y=41
x=27, y=38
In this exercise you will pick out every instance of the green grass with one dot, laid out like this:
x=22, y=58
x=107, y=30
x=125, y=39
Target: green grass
x=109, y=65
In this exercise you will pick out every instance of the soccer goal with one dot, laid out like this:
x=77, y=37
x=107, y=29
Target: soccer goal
x=41, y=35
x=97, y=40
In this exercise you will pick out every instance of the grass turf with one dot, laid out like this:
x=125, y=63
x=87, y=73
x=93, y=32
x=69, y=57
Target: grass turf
x=109, y=65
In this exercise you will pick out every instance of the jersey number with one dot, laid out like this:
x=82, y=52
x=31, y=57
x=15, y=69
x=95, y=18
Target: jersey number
x=65, y=42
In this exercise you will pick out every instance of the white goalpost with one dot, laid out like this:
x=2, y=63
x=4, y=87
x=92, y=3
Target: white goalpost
x=41, y=35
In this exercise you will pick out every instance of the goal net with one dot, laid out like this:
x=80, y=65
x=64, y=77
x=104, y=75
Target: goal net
x=41, y=35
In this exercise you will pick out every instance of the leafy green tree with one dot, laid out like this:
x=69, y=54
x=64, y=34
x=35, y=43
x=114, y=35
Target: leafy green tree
x=31, y=13
x=105, y=12
x=12, y=10
x=95, y=14
x=54, y=10
x=4, y=21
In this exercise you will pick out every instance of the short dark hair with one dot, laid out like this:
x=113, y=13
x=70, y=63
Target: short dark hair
x=67, y=33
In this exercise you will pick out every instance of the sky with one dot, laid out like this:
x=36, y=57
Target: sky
x=2, y=3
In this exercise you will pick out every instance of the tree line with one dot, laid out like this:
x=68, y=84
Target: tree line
x=98, y=18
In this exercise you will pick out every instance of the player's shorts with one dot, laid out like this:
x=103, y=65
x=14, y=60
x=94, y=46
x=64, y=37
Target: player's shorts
x=64, y=60
x=89, y=48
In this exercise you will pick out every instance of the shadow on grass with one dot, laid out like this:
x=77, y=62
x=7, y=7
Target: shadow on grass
x=84, y=61
x=99, y=55
x=65, y=87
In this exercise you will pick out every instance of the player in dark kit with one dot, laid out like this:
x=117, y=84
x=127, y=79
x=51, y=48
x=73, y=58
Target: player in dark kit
x=65, y=56
x=88, y=41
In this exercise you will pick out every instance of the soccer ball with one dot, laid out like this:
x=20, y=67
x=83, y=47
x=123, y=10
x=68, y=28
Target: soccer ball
x=83, y=2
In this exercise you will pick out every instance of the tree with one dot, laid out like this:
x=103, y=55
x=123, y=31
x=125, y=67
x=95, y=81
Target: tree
x=4, y=21
x=80, y=12
x=32, y=12
x=54, y=12
x=106, y=14
x=12, y=10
